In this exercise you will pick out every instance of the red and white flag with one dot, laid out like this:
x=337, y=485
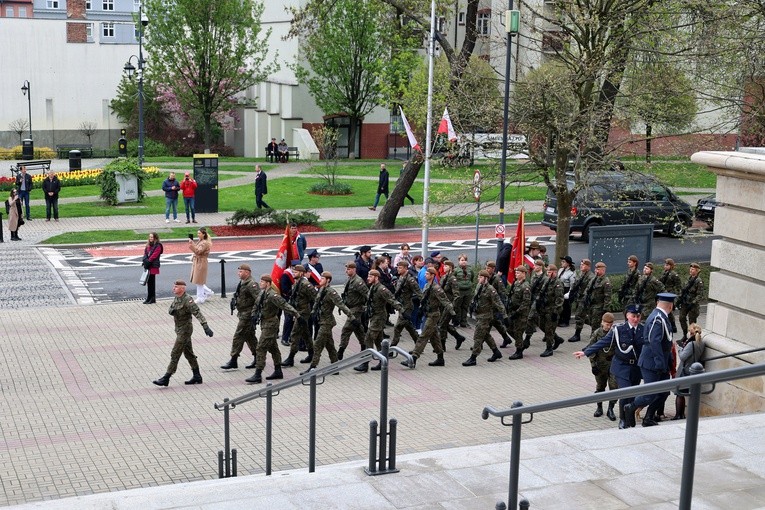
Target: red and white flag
x=409, y=134
x=445, y=127
x=283, y=258
x=517, y=253
x=313, y=274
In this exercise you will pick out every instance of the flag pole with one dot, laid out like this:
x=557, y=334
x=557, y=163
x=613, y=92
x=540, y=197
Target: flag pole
x=428, y=149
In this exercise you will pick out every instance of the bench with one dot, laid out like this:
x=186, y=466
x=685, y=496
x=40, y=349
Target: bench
x=31, y=165
x=294, y=153
x=85, y=149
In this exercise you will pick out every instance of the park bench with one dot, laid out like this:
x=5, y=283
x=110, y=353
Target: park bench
x=86, y=150
x=294, y=153
x=43, y=165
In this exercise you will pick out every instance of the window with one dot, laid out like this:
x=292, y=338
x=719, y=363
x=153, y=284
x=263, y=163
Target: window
x=52, y=4
x=461, y=18
x=136, y=5
x=483, y=23
x=107, y=29
x=22, y=12
x=108, y=5
x=88, y=5
x=9, y=12
x=89, y=31
x=441, y=24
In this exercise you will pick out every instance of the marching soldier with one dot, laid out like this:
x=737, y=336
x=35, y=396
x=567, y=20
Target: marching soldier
x=246, y=293
x=354, y=296
x=434, y=303
x=487, y=307
x=182, y=308
x=448, y=283
x=302, y=297
x=627, y=290
x=266, y=312
x=645, y=292
x=597, y=297
x=672, y=283
x=518, y=305
x=538, y=279
x=322, y=314
x=463, y=274
x=601, y=366
x=549, y=306
x=576, y=295
x=407, y=293
x=496, y=282
x=690, y=298
x=378, y=297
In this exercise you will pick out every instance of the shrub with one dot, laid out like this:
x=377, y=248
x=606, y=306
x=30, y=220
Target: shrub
x=108, y=181
x=151, y=148
x=283, y=218
x=272, y=217
x=324, y=188
x=250, y=217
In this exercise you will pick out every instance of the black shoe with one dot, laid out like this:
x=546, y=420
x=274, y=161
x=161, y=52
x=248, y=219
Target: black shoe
x=231, y=364
x=254, y=363
x=407, y=364
x=439, y=361
x=470, y=362
x=518, y=354
x=363, y=367
x=163, y=381
x=310, y=369
x=527, y=342
x=598, y=411
x=307, y=359
x=340, y=353
x=647, y=422
x=255, y=378
x=575, y=337
x=463, y=324
x=377, y=367
x=460, y=340
x=286, y=343
x=289, y=362
x=546, y=354
x=506, y=343
x=558, y=341
x=610, y=414
x=629, y=415
x=495, y=356
x=277, y=374
x=196, y=378
x=147, y=301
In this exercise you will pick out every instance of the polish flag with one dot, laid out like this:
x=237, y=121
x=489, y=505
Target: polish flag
x=313, y=274
x=283, y=258
x=446, y=128
x=409, y=134
x=517, y=253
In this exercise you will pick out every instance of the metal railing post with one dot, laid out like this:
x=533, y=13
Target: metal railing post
x=693, y=410
x=312, y=427
x=1, y=228
x=515, y=456
x=226, y=440
x=372, y=468
x=233, y=462
x=269, y=428
x=392, y=449
x=383, y=458
x=220, y=463
x=223, y=278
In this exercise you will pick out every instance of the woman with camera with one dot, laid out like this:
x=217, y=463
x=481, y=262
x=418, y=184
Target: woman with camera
x=151, y=254
x=692, y=351
x=201, y=249
x=15, y=219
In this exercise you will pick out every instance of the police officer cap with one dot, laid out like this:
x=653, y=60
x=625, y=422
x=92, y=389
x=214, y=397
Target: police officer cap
x=666, y=296
x=552, y=267
x=180, y=283
x=403, y=263
x=669, y=262
x=435, y=253
x=608, y=317
x=313, y=253
x=365, y=248
x=244, y=267
x=429, y=260
x=522, y=269
x=350, y=265
x=696, y=265
x=484, y=273
x=327, y=275
x=266, y=278
x=374, y=272
x=649, y=265
x=632, y=309
x=432, y=271
x=568, y=259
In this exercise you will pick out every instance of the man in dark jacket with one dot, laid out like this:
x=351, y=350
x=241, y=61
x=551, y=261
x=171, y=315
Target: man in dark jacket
x=51, y=188
x=271, y=150
x=171, y=186
x=382, y=186
x=261, y=187
x=24, y=185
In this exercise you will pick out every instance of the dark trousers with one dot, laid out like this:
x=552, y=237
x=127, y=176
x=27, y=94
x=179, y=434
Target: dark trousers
x=259, y=201
x=24, y=197
x=653, y=401
x=51, y=202
x=151, y=285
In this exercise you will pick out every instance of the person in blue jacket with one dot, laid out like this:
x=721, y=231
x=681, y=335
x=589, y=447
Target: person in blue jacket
x=627, y=341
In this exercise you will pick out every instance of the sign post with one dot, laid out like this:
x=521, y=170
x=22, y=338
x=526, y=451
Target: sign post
x=477, y=195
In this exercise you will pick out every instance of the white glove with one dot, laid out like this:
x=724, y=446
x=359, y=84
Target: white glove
x=565, y=296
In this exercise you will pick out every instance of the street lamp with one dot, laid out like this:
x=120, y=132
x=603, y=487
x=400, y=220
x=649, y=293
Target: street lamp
x=130, y=69
x=26, y=89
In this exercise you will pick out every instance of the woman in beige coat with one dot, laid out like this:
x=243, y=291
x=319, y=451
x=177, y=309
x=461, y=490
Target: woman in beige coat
x=15, y=219
x=201, y=249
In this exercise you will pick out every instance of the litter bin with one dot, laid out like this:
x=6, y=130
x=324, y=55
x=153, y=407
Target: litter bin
x=75, y=160
x=28, y=149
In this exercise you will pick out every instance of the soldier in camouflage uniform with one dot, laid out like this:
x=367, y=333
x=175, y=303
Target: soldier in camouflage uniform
x=487, y=306
x=244, y=298
x=407, y=292
x=434, y=304
x=355, y=297
x=463, y=274
x=549, y=306
x=449, y=284
x=378, y=297
x=302, y=297
x=518, y=306
x=645, y=292
x=576, y=295
x=182, y=308
x=672, y=283
x=628, y=288
x=690, y=298
x=599, y=295
x=601, y=366
x=496, y=281
x=266, y=312
x=323, y=315
x=538, y=279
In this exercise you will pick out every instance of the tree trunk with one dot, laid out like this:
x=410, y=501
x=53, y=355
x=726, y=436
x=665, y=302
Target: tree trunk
x=648, y=132
x=352, y=132
x=387, y=217
x=208, y=133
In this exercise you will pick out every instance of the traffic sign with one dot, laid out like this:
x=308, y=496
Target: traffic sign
x=477, y=185
x=499, y=231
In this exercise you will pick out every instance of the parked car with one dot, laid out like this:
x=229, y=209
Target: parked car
x=705, y=209
x=616, y=198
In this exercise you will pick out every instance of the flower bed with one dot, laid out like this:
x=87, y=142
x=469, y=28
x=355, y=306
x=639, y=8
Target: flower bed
x=74, y=178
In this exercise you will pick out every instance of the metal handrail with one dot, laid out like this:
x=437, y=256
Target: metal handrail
x=312, y=378
x=689, y=385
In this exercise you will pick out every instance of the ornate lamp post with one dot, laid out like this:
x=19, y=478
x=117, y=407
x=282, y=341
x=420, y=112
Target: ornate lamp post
x=26, y=89
x=130, y=69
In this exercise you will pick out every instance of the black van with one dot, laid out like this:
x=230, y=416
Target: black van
x=615, y=198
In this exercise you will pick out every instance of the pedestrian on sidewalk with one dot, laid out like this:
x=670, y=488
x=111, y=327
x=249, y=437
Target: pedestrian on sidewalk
x=15, y=220
x=151, y=254
x=170, y=186
x=24, y=185
x=407, y=196
x=382, y=186
x=201, y=249
x=189, y=188
x=182, y=308
x=51, y=188
x=261, y=187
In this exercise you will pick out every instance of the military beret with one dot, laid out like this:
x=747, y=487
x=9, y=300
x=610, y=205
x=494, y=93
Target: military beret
x=696, y=265
x=633, y=258
x=298, y=268
x=180, y=283
x=435, y=253
x=327, y=275
x=587, y=262
x=534, y=245
x=244, y=267
x=365, y=248
x=449, y=263
x=432, y=270
x=669, y=262
x=266, y=278
x=403, y=263
x=484, y=273
x=608, y=317
x=491, y=263
x=552, y=267
x=600, y=264
x=522, y=269
x=374, y=272
x=632, y=309
x=666, y=296
x=313, y=253
x=649, y=264
x=429, y=261
x=539, y=262
x=350, y=265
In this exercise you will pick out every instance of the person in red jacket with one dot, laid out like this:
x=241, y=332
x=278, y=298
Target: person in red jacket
x=189, y=188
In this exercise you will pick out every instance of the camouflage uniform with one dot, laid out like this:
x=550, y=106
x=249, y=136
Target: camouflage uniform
x=407, y=289
x=246, y=294
x=303, y=295
x=672, y=283
x=551, y=297
x=599, y=294
x=323, y=313
x=628, y=288
x=577, y=293
x=645, y=294
x=532, y=319
x=434, y=301
x=496, y=282
x=518, y=305
x=182, y=308
x=354, y=296
x=464, y=278
x=378, y=297
x=601, y=365
x=267, y=311
x=689, y=302
x=488, y=306
x=445, y=327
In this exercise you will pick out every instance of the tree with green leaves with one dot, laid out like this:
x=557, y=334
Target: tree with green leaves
x=207, y=52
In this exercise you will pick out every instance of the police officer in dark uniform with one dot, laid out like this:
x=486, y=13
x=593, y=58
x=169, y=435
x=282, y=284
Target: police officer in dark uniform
x=247, y=291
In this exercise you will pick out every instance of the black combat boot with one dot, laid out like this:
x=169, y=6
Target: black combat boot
x=362, y=367
x=622, y=422
x=443, y=343
x=254, y=363
x=527, y=341
x=377, y=367
x=277, y=374
x=257, y=377
x=164, y=380
x=577, y=336
x=340, y=353
x=610, y=412
x=558, y=341
x=460, y=339
x=196, y=378
x=308, y=370
x=439, y=362
x=506, y=343
x=518, y=354
x=548, y=352
x=598, y=410
x=231, y=364
x=289, y=361
x=494, y=357
x=412, y=364
x=470, y=362
x=308, y=358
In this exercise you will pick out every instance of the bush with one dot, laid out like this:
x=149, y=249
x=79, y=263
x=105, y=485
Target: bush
x=108, y=181
x=324, y=188
x=188, y=148
x=272, y=217
x=151, y=148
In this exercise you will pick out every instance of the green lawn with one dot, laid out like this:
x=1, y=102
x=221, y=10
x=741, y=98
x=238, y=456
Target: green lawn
x=436, y=171
x=682, y=175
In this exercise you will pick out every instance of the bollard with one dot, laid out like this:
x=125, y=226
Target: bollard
x=500, y=506
x=1, y=228
x=524, y=504
x=392, y=448
x=223, y=278
x=233, y=462
x=220, y=463
x=372, y=447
